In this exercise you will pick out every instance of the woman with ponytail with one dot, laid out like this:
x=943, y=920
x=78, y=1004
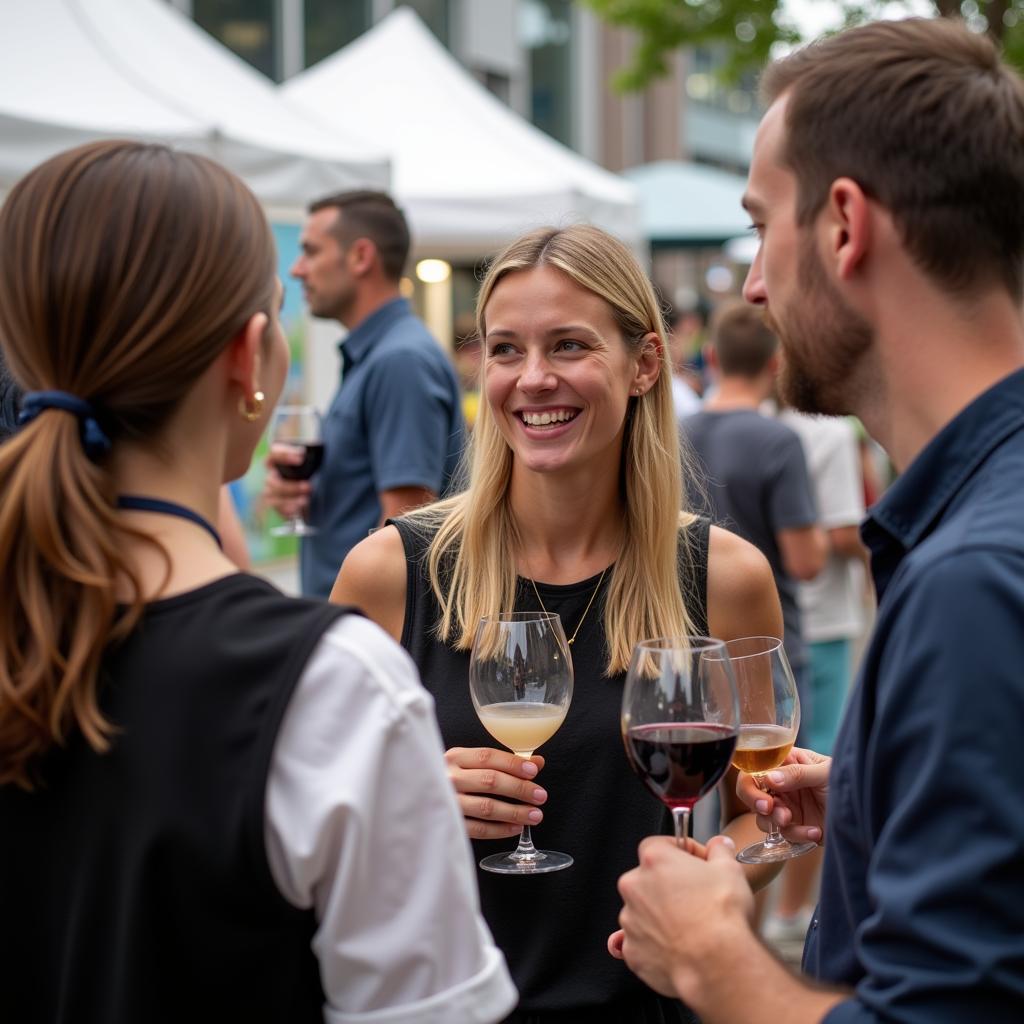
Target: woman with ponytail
x=192, y=766
x=574, y=505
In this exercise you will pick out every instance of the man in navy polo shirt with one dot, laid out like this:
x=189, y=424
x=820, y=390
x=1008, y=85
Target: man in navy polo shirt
x=887, y=187
x=394, y=432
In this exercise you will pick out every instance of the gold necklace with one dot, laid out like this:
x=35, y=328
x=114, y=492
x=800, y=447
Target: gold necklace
x=579, y=625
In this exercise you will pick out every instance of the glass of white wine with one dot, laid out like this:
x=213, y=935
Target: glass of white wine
x=769, y=722
x=520, y=680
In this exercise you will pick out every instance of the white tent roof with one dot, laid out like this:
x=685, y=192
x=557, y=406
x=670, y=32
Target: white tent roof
x=470, y=173
x=78, y=70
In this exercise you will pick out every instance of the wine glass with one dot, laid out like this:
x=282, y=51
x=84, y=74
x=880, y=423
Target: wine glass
x=299, y=427
x=520, y=679
x=680, y=718
x=769, y=722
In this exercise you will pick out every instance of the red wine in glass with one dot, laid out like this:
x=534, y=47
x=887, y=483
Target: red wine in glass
x=299, y=427
x=313, y=457
x=680, y=720
x=680, y=761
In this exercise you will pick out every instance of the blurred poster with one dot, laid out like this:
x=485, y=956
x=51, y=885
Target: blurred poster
x=256, y=518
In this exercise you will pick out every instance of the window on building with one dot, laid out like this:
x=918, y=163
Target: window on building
x=546, y=34
x=705, y=85
x=497, y=84
x=244, y=26
x=330, y=25
x=436, y=14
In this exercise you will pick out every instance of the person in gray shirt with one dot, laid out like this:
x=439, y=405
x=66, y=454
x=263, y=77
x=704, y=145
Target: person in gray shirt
x=752, y=474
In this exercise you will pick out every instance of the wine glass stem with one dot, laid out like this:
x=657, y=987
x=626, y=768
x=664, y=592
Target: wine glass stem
x=525, y=850
x=681, y=818
x=774, y=837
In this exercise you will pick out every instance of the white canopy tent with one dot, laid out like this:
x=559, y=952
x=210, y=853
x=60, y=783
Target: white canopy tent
x=470, y=173
x=78, y=70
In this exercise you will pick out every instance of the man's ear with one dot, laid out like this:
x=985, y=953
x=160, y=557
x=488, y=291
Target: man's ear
x=847, y=218
x=711, y=358
x=244, y=355
x=362, y=256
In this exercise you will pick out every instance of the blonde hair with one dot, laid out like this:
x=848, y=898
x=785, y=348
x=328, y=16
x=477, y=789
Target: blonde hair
x=124, y=271
x=472, y=556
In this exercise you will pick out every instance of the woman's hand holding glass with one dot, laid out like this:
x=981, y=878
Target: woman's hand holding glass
x=769, y=722
x=496, y=790
x=798, y=798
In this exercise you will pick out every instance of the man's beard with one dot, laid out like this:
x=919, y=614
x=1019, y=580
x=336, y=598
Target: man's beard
x=823, y=341
x=335, y=306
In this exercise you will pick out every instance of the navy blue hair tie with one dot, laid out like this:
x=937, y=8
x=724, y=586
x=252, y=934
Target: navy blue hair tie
x=94, y=440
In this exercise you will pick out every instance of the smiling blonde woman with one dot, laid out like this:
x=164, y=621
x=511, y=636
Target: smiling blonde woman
x=573, y=505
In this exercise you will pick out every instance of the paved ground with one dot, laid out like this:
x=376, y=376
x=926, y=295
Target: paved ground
x=283, y=574
x=789, y=952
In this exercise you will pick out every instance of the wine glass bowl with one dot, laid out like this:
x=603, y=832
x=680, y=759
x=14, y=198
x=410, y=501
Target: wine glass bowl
x=769, y=722
x=680, y=719
x=520, y=682
x=300, y=428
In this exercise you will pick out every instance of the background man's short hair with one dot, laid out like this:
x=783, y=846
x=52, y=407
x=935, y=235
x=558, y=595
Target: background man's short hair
x=372, y=215
x=743, y=341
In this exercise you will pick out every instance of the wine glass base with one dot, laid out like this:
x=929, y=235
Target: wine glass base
x=543, y=862
x=762, y=853
x=293, y=530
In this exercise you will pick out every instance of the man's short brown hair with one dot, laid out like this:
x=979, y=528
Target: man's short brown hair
x=743, y=341
x=372, y=215
x=929, y=122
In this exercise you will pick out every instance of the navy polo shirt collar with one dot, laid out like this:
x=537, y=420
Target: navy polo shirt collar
x=359, y=341
x=918, y=498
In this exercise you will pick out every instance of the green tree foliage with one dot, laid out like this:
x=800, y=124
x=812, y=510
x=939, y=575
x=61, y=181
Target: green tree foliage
x=746, y=30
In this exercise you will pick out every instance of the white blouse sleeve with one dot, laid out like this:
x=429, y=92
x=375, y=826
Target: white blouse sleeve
x=362, y=824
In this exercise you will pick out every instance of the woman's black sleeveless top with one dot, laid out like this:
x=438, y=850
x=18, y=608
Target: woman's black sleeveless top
x=553, y=928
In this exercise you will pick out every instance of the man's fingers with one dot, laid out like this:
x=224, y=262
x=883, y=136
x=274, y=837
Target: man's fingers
x=615, y=941
x=720, y=848
x=286, y=454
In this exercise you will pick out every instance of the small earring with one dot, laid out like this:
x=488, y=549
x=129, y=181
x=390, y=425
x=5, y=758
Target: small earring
x=251, y=409
x=638, y=392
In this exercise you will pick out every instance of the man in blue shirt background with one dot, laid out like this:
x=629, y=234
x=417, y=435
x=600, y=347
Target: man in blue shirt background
x=393, y=434
x=887, y=188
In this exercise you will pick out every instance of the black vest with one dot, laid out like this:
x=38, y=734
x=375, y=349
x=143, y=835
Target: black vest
x=134, y=885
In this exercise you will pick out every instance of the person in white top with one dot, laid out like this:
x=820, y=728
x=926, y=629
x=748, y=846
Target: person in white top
x=362, y=826
x=686, y=328
x=217, y=803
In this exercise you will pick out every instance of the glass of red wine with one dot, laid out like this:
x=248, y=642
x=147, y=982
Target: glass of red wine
x=298, y=428
x=680, y=720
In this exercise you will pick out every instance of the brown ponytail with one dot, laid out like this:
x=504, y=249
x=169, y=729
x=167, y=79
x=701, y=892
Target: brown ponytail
x=124, y=271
